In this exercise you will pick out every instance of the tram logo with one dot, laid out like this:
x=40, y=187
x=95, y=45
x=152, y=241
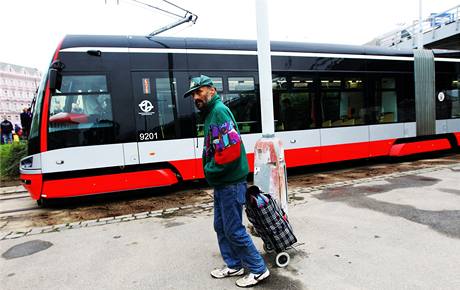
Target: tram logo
x=146, y=108
x=441, y=96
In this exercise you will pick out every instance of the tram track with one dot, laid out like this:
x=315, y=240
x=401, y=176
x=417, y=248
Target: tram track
x=16, y=196
x=19, y=211
x=15, y=200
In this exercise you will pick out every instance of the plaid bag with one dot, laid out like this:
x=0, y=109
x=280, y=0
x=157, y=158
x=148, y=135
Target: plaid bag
x=270, y=222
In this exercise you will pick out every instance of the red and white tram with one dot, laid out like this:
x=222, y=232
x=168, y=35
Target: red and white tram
x=109, y=115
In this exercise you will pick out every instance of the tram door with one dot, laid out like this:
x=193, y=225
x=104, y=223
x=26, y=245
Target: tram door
x=163, y=133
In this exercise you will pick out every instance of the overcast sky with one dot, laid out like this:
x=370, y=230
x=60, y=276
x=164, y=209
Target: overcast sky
x=31, y=29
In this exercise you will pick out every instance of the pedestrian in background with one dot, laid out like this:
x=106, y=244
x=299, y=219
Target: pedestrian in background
x=7, y=131
x=226, y=168
x=17, y=129
x=26, y=121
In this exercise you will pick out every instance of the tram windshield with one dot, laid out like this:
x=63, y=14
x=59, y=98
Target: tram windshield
x=36, y=112
x=82, y=103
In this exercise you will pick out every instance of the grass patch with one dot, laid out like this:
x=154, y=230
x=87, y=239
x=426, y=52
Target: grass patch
x=10, y=156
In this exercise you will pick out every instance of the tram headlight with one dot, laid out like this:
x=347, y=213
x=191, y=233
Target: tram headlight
x=27, y=162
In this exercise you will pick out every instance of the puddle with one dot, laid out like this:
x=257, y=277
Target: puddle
x=446, y=222
x=449, y=190
x=277, y=281
x=26, y=249
x=410, y=181
x=173, y=224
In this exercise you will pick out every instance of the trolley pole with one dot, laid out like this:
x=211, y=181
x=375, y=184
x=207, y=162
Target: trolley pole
x=269, y=164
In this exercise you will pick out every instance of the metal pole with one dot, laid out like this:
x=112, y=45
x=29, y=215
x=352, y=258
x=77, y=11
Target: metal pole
x=269, y=164
x=420, y=27
x=265, y=69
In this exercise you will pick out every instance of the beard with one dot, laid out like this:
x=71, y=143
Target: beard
x=202, y=104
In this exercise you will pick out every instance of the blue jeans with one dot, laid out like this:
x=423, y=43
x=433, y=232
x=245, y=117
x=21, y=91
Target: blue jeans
x=7, y=138
x=236, y=246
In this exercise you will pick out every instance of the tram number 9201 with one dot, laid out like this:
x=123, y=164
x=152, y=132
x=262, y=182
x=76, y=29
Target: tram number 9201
x=148, y=136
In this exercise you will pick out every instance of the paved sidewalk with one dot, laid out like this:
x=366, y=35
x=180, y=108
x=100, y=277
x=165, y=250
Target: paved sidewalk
x=396, y=232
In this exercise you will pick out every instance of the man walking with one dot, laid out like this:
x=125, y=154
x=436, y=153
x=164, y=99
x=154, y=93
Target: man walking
x=225, y=168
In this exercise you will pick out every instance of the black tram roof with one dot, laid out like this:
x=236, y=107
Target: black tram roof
x=235, y=44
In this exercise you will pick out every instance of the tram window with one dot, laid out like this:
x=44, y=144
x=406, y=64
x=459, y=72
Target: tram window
x=388, y=83
x=330, y=100
x=293, y=102
x=301, y=83
x=241, y=84
x=242, y=100
x=385, y=109
x=406, y=98
x=36, y=110
x=69, y=112
x=83, y=84
x=279, y=83
x=165, y=95
x=351, y=104
x=342, y=101
x=80, y=113
x=218, y=83
x=447, y=96
x=353, y=84
x=331, y=83
x=294, y=108
x=330, y=107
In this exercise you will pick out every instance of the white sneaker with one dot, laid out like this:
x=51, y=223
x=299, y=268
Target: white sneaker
x=252, y=279
x=226, y=272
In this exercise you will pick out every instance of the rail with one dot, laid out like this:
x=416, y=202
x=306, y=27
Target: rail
x=433, y=22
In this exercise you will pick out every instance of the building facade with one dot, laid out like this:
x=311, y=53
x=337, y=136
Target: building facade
x=18, y=86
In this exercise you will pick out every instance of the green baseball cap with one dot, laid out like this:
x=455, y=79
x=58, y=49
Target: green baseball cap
x=198, y=82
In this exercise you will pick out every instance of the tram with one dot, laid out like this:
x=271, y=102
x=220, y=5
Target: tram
x=110, y=113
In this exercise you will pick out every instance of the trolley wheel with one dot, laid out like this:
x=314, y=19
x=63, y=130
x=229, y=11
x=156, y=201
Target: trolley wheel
x=282, y=259
x=268, y=249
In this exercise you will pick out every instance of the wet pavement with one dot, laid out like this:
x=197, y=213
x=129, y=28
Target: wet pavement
x=395, y=231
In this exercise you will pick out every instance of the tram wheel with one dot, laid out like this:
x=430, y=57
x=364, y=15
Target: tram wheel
x=42, y=202
x=282, y=259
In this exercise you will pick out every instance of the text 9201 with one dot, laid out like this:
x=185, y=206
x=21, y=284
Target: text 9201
x=148, y=136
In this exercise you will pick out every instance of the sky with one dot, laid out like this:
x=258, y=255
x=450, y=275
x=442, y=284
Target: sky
x=31, y=29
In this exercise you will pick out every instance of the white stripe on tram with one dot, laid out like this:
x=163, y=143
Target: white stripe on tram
x=247, y=52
